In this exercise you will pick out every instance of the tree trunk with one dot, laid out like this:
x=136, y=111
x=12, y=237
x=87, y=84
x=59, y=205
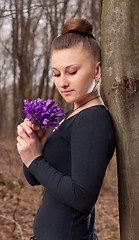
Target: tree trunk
x=120, y=72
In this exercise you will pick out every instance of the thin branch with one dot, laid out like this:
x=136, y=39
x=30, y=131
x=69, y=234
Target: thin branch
x=4, y=45
x=107, y=215
x=15, y=222
x=26, y=9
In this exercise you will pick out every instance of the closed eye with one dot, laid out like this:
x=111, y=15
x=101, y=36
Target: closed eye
x=72, y=73
x=56, y=75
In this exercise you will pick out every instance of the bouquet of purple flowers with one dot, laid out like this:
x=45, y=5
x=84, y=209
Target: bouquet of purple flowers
x=43, y=113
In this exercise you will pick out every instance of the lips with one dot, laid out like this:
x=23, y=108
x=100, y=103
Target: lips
x=67, y=92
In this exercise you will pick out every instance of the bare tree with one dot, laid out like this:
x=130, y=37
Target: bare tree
x=120, y=71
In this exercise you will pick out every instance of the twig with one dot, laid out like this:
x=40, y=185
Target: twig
x=17, y=224
x=108, y=216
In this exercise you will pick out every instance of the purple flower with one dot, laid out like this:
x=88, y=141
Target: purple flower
x=43, y=113
x=29, y=117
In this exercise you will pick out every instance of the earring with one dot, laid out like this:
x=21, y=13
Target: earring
x=93, y=84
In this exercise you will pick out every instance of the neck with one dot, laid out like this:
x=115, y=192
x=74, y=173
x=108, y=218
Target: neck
x=85, y=101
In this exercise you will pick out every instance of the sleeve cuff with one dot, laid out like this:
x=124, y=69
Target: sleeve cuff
x=34, y=161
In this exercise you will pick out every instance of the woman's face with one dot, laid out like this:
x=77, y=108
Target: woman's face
x=73, y=72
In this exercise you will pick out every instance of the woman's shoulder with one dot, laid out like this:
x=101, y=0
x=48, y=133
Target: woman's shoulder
x=89, y=118
x=96, y=120
x=95, y=112
x=92, y=118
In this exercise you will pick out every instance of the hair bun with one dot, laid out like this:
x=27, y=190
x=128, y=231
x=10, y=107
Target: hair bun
x=78, y=24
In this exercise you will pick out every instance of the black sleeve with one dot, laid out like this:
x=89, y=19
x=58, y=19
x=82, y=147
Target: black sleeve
x=30, y=178
x=89, y=153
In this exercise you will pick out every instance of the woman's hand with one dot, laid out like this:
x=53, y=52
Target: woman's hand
x=38, y=130
x=30, y=141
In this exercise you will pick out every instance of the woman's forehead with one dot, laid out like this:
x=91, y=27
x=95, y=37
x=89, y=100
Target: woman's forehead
x=70, y=56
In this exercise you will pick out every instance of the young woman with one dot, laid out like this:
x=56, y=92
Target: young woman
x=71, y=164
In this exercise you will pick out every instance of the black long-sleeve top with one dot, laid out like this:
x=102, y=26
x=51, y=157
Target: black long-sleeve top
x=71, y=169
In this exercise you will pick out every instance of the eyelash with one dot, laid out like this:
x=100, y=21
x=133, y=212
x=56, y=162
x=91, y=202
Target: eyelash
x=57, y=75
x=73, y=72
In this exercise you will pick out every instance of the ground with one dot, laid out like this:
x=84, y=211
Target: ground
x=19, y=201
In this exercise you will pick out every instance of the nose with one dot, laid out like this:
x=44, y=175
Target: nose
x=63, y=81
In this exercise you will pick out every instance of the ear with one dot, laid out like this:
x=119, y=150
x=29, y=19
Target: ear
x=97, y=72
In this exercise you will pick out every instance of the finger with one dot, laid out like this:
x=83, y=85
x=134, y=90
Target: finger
x=45, y=134
x=45, y=137
x=20, y=140
x=20, y=144
x=36, y=127
x=21, y=132
x=29, y=123
x=39, y=131
x=28, y=130
x=32, y=125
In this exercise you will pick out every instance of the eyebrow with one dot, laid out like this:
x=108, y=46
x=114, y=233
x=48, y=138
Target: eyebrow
x=72, y=65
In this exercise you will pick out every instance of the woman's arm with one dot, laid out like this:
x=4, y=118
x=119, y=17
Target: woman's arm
x=29, y=177
x=35, y=132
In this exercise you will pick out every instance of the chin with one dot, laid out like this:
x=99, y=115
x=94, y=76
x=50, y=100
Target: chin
x=69, y=101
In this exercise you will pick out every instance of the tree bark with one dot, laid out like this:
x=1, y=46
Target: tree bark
x=120, y=80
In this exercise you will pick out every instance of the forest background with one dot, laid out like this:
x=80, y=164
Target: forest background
x=27, y=29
